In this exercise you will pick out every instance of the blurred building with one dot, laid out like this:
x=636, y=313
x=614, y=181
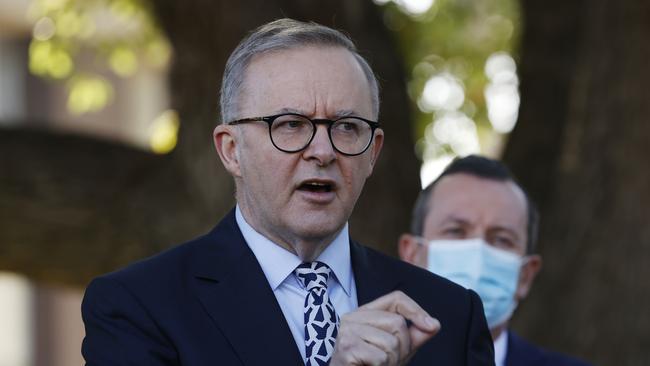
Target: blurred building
x=40, y=324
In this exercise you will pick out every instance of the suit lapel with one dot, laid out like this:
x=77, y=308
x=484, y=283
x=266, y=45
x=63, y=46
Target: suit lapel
x=236, y=294
x=371, y=281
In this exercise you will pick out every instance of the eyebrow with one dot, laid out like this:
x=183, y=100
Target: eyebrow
x=338, y=114
x=459, y=220
x=506, y=229
x=346, y=113
x=455, y=220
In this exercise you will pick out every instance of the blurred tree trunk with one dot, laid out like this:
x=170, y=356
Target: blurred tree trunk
x=74, y=207
x=581, y=147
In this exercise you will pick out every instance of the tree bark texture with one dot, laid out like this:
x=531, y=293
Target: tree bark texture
x=73, y=207
x=581, y=147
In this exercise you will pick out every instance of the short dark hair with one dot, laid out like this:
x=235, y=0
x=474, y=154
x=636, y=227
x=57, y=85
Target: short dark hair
x=482, y=167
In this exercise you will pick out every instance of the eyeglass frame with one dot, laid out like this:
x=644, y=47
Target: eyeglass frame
x=315, y=122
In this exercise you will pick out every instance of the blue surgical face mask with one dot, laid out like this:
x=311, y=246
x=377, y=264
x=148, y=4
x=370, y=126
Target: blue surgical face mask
x=474, y=264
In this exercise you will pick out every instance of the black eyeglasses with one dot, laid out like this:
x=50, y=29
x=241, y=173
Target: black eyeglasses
x=291, y=132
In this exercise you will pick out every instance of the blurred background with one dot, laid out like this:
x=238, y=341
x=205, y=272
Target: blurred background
x=107, y=109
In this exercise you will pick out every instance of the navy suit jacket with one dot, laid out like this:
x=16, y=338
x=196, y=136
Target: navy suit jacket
x=207, y=302
x=523, y=353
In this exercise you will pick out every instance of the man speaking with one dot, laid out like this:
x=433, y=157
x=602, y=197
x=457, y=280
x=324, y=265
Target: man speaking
x=278, y=281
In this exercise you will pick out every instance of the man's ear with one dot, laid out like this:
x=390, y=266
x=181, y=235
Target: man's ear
x=527, y=275
x=375, y=149
x=411, y=251
x=225, y=140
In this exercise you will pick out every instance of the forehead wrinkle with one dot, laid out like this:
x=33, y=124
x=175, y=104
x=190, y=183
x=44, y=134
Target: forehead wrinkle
x=289, y=110
x=472, y=218
x=337, y=108
x=461, y=207
x=315, y=92
x=341, y=113
x=326, y=109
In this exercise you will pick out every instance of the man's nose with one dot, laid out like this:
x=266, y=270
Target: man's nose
x=320, y=148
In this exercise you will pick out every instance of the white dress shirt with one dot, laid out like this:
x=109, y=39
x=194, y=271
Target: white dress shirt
x=278, y=265
x=501, y=348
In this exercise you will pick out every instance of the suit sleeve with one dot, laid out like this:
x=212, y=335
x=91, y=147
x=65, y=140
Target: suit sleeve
x=480, y=348
x=119, y=330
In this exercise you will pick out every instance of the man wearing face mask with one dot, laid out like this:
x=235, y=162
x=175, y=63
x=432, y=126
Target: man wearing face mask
x=476, y=226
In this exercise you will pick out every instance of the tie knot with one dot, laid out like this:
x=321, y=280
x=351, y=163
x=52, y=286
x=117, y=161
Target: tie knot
x=313, y=275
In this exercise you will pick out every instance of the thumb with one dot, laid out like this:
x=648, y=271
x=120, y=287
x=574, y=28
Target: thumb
x=420, y=335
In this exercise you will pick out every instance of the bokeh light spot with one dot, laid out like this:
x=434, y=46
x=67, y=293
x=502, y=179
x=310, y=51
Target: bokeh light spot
x=431, y=169
x=158, y=52
x=124, y=8
x=88, y=94
x=47, y=60
x=44, y=29
x=457, y=130
x=414, y=7
x=123, y=61
x=503, y=106
x=442, y=91
x=500, y=67
x=60, y=64
x=69, y=24
x=502, y=93
x=164, y=132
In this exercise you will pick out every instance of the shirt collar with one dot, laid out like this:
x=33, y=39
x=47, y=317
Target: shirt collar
x=278, y=263
x=337, y=257
x=501, y=348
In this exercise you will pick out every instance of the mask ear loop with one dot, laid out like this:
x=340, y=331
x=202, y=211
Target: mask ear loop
x=524, y=260
x=423, y=244
x=421, y=241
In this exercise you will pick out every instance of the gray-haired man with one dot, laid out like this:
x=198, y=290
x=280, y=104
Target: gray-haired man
x=279, y=281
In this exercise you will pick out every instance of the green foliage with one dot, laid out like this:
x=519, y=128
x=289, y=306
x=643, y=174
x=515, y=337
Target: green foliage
x=453, y=39
x=444, y=48
x=116, y=35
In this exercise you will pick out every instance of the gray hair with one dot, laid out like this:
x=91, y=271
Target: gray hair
x=283, y=34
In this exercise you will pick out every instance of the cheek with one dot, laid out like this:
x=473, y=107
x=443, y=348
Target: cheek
x=274, y=175
x=362, y=170
x=350, y=177
x=258, y=174
x=354, y=177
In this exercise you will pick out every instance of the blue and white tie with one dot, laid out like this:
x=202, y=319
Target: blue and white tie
x=321, y=321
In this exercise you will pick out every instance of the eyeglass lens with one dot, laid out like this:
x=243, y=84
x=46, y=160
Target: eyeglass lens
x=293, y=132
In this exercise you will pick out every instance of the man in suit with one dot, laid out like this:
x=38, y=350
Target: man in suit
x=476, y=226
x=278, y=281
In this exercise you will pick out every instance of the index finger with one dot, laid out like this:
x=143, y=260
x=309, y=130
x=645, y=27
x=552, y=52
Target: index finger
x=400, y=303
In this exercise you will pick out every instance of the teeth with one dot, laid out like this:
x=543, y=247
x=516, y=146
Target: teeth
x=318, y=186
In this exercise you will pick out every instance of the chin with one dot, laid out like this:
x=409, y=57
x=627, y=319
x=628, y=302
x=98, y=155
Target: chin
x=318, y=230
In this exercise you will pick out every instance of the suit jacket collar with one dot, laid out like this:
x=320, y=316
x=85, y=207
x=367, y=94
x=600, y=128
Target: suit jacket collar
x=235, y=293
x=521, y=352
x=372, y=281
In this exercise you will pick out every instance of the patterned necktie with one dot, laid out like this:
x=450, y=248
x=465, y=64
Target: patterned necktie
x=321, y=321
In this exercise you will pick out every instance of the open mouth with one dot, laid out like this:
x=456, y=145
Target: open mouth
x=316, y=186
